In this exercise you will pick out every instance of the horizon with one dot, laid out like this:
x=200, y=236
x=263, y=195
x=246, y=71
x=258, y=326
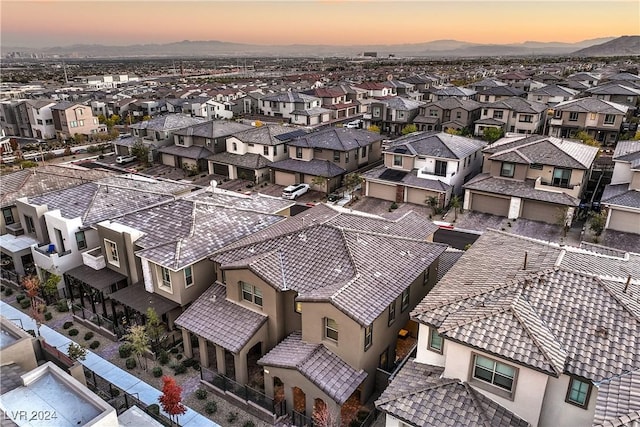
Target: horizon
x=334, y=23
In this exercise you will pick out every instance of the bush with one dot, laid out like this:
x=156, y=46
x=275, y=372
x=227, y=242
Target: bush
x=25, y=303
x=179, y=357
x=188, y=362
x=130, y=363
x=62, y=306
x=174, y=350
x=180, y=369
x=211, y=408
x=73, y=332
x=88, y=336
x=94, y=345
x=125, y=350
x=163, y=357
x=232, y=417
x=67, y=325
x=154, y=409
x=48, y=316
x=20, y=297
x=196, y=366
x=394, y=205
x=157, y=372
x=8, y=292
x=201, y=394
x=248, y=424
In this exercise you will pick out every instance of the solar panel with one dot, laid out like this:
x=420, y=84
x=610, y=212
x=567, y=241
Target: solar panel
x=393, y=175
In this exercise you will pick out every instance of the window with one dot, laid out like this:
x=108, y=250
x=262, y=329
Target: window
x=364, y=152
x=392, y=312
x=39, y=121
x=397, y=160
x=573, y=116
x=609, y=119
x=251, y=293
x=250, y=145
x=441, y=168
x=336, y=156
x=59, y=240
x=298, y=152
x=425, y=278
x=346, y=157
x=537, y=166
x=405, y=300
x=30, y=226
x=330, y=329
x=507, y=169
x=297, y=307
x=7, y=213
x=458, y=115
x=578, y=393
x=368, y=336
x=435, y=341
x=526, y=118
x=497, y=114
x=235, y=146
x=81, y=241
x=112, y=252
x=166, y=277
x=265, y=150
x=561, y=177
x=433, y=113
x=557, y=114
x=485, y=111
x=73, y=124
x=494, y=372
x=188, y=277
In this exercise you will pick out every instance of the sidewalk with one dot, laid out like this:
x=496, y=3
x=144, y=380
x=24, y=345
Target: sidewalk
x=121, y=379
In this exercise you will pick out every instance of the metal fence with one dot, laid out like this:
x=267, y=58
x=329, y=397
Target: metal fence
x=97, y=319
x=301, y=420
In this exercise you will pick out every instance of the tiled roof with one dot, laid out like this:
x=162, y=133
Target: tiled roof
x=314, y=362
x=214, y=129
x=400, y=103
x=313, y=167
x=256, y=202
x=411, y=225
x=620, y=195
x=591, y=105
x=290, y=97
x=192, y=152
x=618, y=401
x=438, y=144
x=339, y=139
x=554, y=90
x=222, y=322
x=246, y=160
x=410, y=179
x=452, y=91
x=525, y=189
x=168, y=122
x=418, y=395
x=453, y=103
x=517, y=104
x=613, y=89
x=502, y=91
x=263, y=135
x=627, y=151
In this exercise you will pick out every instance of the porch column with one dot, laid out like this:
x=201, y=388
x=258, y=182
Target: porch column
x=240, y=360
x=220, y=361
x=204, y=354
x=186, y=342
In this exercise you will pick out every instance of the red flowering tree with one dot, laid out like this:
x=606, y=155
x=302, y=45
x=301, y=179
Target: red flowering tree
x=171, y=399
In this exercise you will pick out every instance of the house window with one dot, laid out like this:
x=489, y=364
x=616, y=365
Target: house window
x=609, y=119
x=235, y=146
x=537, y=166
x=425, y=277
x=81, y=241
x=497, y=114
x=507, y=169
x=441, y=168
x=7, y=213
x=346, y=157
x=485, y=112
x=330, y=329
x=251, y=293
x=60, y=240
x=526, y=118
x=433, y=113
x=297, y=306
x=578, y=393
x=493, y=372
x=336, y=156
x=561, y=177
x=376, y=112
x=557, y=114
x=392, y=312
x=405, y=300
x=188, y=277
x=298, y=152
x=166, y=277
x=435, y=341
x=111, y=250
x=458, y=115
x=364, y=152
x=265, y=150
x=573, y=116
x=397, y=160
x=368, y=336
x=401, y=114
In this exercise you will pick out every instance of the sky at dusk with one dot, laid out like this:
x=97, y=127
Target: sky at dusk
x=26, y=23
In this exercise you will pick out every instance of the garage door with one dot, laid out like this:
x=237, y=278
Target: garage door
x=382, y=191
x=169, y=160
x=628, y=222
x=540, y=211
x=419, y=196
x=490, y=204
x=220, y=169
x=284, y=178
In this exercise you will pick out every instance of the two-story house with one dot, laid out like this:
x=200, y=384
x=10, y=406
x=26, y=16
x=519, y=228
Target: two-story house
x=448, y=113
x=41, y=118
x=536, y=177
x=424, y=165
x=70, y=118
x=442, y=92
x=193, y=145
x=515, y=115
x=392, y=114
x=404, y=89
x=622, y=196
x=376, y=89
x=520, y=332
x=313, y=305
x=329, y=154
x=297, y=108
x=485, y=84
x=337, y=100
x=551, y=95
x=600, y=119
x=628, y=95
x=497, y=93
x=249, y=152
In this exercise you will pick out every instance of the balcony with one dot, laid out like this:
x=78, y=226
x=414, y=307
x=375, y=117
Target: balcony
x=446, y=178
x=367, y=116
x=94, y=259
x=555, y=122
x=15, y=229
x=572, y=190
x=47, y=256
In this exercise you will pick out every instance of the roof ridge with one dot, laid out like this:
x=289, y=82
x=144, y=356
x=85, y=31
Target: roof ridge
x=485, y=315
x=93, y=199
x=434, y=385
x=477, y=404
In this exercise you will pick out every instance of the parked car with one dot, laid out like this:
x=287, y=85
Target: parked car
x=125, y=159
x=293, y=191
x=356, y=124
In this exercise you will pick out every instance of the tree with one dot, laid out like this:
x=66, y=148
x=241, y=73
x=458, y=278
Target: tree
x=562, y=220
x=492, y=134
x=79, y=138
x=455, y=203
x=32, y=287
x=171, y=399
x=453, y=131
x=319, y=181
x=587, y=139
x=76, y=351
x=154, y=328
x=139, y=341
x=432, y=202
x=374, y=128
x=141, y=152
x=351, y=181
x=597, y=221
x=50, y=286
x=410, y=128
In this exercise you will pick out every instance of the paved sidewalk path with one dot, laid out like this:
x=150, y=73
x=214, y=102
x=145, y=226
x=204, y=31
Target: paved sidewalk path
x=104, y=368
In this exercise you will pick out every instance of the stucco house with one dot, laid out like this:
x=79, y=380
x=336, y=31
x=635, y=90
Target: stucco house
x=622, y=196
x=515, y=115
x=296, y=108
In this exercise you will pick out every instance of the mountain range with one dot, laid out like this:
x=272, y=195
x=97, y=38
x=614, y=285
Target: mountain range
x=626, y=45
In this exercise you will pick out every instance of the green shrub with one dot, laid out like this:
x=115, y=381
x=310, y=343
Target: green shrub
x=248, y=424
x=180, y=369
x=196, y=366
x=154, y=408
x=25, y=303
x=174, y=350
x=232, y=417
x=94, y=345
x=20, y=297
x=394, y=205
x=8, y=292
x=201, y=394
x=73, y=332
x=125, y=350
x=188, y=362
x=88, y=335
x=211, y=408
x=48, y=316
x=62, y=306
x=130, y=363
x=157, y=372
x=67, y=325
x=163, y=357
x=179, y=356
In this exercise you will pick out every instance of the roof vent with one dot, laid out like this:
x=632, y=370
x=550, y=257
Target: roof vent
x=213, y=298
x=602, y=332
x=302, y=237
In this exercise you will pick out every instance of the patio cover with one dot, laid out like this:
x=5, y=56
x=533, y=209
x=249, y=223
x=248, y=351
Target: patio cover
x=13, y=244
x=137, y=298
x=100, y=280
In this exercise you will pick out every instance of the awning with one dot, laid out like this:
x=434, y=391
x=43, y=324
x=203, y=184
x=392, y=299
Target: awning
x=97, y=279
x=137, y=298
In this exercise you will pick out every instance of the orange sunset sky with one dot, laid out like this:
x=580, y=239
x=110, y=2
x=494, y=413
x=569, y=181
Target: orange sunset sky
x=53, y=23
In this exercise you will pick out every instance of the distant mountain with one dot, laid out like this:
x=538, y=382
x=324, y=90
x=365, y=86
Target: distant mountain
x=436, y=48
x=622, y=46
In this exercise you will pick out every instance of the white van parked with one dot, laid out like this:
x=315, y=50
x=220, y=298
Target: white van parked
x=293, y=191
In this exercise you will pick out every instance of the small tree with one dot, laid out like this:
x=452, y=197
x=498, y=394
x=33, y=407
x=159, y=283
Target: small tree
x=319, y=181
x=141, y=152
x=171, y=399
x=410, y=128
x=432, y=202
x=50, y=287
x=351, y=181
x=562, y=220
x=455, y=203
x=32, y=287
x=597, y=221
x=139, y=341
x=324, y=417
x=79, y=138
x=76, y=351
x=587, y=139
x=154, y=328
x=374, y=128
x=492, y=134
